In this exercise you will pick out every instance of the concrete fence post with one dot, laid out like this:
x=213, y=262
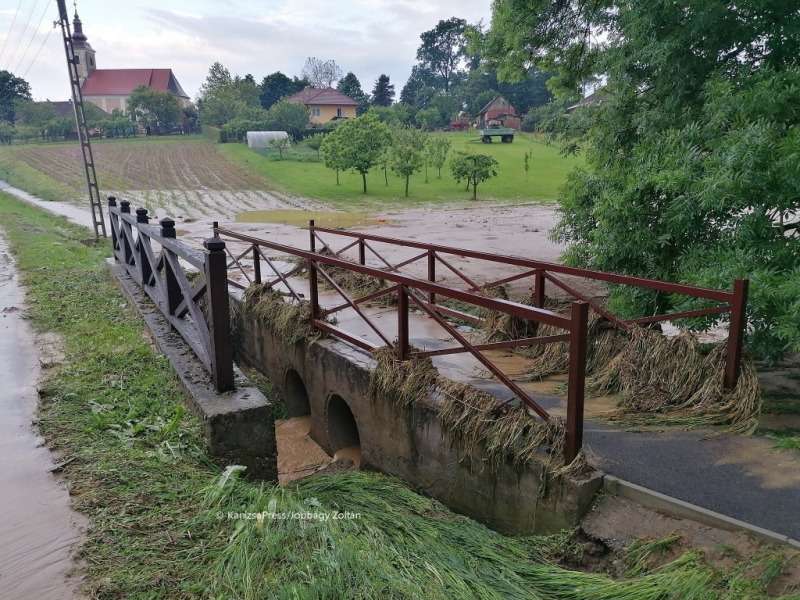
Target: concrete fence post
x=219, y=326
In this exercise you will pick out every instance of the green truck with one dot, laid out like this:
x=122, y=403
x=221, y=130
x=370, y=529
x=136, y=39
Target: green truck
x=506, y=134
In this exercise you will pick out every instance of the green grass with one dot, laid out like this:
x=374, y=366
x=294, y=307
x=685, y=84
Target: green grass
x=22, y=176
x=301, y=173
x=167, y=524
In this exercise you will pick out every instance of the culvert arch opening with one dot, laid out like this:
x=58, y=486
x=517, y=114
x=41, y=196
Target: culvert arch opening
x=297, y=402
x=343, y=430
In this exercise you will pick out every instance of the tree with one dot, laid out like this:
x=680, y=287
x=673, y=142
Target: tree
x=218, y=78
x=321, y=73
x=315, y=142
x=350, y=86
x=443, y=50
x=12, y=90
x=691, y=168
x=420, y=77
x=36, y=114
x=276, y=86
x=383, y=92
x=153, y=107
x=356, y=144
x=436, y=150
x=281, y=144
x=287, y=116
x=406, y=153
x=473, y=168
x=224, y=98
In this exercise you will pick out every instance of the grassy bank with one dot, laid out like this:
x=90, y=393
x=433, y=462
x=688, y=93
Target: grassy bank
x=300, y=172
x=167, y=524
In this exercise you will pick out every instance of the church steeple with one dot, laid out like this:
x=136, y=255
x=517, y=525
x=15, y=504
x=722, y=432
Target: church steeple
x=83, y=51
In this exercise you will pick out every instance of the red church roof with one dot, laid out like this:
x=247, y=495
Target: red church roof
x=120, y=82
x=318, y=96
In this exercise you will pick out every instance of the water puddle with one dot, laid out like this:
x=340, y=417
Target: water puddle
x=300, y=218
x=38, y=531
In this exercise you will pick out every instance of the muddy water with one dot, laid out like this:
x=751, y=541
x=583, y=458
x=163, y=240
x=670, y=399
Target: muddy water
x=298, y=454
x=351, y=452
x=300, y=218
x=38, y=531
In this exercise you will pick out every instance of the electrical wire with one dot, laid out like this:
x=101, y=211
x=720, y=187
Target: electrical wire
x=30, y=41
x=10, y=29
x=22, y=34
x=47, y=37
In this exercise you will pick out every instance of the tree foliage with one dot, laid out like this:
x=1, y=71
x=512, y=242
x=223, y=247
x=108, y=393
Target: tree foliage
x=383, y=92
x=350, y=86
x=436, y=151
x=13, y=89
x=443, y=50
x=691, y=170
x=473, y=168
x=407, y=152
x=153, y=107
x=356, y=144
x=321, y=73
x=276, y=86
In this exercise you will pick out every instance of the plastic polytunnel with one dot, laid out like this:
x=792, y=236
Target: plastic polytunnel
x=261, y=139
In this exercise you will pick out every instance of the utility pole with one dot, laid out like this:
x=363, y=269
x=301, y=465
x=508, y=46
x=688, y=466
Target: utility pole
x=80, y=121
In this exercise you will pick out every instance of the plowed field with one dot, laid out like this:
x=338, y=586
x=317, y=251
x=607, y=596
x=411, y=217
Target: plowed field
x=182, y=178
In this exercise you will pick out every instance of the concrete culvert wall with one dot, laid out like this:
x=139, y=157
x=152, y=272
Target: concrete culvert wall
x=297, y=402
x=342, y=426
x=260, y=139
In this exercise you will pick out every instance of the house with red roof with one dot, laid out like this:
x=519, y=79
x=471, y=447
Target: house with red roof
x=498, y=111
x=111, y=88
x=325, y=104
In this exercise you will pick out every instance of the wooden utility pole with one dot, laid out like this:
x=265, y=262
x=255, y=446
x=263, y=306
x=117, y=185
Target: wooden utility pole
x=80, y=120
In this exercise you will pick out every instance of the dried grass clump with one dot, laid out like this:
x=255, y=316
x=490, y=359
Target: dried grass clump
x=479, y=423
x=358, y=284
x=499, y=326
x=290, y=320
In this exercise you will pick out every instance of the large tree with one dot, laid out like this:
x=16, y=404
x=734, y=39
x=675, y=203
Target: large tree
x=277, y=85
x=13, y=89
x=224, y=97
x=321, y=73
x=383, y=92
x=154, y=107
x=350, y=86
x=444, y=49
x=691, y=170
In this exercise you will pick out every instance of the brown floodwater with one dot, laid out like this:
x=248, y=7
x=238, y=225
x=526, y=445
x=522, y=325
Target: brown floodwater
x=300, y=218
x=298, y=454
x=351, y=452
x=38, y=531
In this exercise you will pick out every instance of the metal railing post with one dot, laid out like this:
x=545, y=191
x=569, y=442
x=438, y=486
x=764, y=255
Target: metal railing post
x=578, y=334
x=312, y=239
x=538, y=290
x=738, y=322
x=362, y=255
x=431, y=275
x=221, y=351
x=402, y=323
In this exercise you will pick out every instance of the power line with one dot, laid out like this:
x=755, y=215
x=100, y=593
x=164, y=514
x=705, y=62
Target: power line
x=10, y=29
x=21, y=34
x=47, y=37
x=33, y=36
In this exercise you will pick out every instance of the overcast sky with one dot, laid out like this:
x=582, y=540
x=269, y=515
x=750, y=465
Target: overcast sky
x=367, y=37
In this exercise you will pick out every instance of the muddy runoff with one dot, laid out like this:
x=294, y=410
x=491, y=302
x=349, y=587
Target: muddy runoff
x=38, y=531
x=299, y=456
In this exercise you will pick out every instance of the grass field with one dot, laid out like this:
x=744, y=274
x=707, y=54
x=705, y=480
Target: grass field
x=300, y=172
x=192, y=176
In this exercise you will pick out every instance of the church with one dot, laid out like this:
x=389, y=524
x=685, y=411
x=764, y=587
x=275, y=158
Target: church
x=110, y=88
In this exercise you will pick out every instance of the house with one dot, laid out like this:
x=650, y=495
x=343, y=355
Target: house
x=325, y=104
x=593, y=99
x=110, y=88
x=498, y=112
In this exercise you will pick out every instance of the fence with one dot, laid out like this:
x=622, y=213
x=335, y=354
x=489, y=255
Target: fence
x=411, y=291
x=733, y=302
x=193, y=298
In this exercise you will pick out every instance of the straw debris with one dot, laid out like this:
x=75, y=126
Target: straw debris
x=290, y=320
x=478, y=422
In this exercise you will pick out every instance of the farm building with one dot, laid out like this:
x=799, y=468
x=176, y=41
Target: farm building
x=325, y=104
x=498, y=111
x=111, y=88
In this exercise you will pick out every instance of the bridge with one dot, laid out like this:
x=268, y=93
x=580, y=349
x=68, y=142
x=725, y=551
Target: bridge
x=453, y=420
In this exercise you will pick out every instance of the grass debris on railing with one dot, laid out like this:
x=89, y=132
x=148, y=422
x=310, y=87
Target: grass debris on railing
x=290, y=320
x=478, y=422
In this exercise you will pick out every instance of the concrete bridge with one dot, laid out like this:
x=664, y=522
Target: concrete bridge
x=331, y=379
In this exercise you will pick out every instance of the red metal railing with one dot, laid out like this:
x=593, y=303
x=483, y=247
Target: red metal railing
x=418, y=292
x=733, y=302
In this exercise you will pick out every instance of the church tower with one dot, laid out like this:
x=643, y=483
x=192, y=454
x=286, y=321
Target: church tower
x=83, y=51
